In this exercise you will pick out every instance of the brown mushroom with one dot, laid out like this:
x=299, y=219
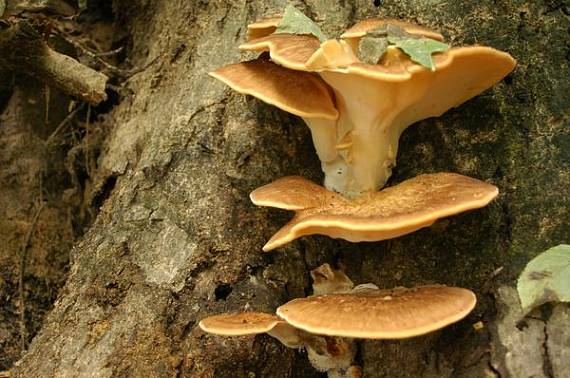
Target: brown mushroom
x=301, y=93
x=325, y=325
x=380, y=314
x=378, y=102
x=252, y=323
x=392, y=212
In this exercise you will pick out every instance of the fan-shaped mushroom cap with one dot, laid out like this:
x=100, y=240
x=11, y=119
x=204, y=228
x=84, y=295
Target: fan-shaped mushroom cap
x=240, y=324
x=292, y=51
x=301, y=93
x=262, y=28
x=359, y=30
x=303, y=52
x=380, y=314
x=392, y=212
x=252, y=323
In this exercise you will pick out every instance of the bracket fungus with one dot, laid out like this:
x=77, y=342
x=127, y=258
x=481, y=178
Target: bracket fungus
x=372, y=104
x=327, y=323
x=389, y=213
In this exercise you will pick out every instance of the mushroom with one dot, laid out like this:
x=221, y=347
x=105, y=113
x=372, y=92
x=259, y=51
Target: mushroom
x=371, y=313
x=252, y=323
x=326, y=324
x=390, y=213
x=378, y=102
x=301, y=93
x=327, y=281
x=375, y=103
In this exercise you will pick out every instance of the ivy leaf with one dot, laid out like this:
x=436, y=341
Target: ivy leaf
x=546, y=278
x=419, y=49
x=295, y=22
x=371, y=49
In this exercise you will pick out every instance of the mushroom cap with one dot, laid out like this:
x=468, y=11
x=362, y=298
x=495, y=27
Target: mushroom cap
x=380, y=314
x=392, y=212
x=476, y=63
x=240, y=324
x=292, y=51
x=362, y=27
x=327, y=280
x=301, y=93
x=263, y=27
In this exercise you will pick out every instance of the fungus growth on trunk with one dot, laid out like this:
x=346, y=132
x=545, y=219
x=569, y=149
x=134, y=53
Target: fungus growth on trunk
x=375, y=100
x=326, y=323
x=389, y=213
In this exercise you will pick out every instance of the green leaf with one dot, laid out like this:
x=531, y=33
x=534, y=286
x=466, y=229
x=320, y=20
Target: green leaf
x=371, y=49
x=2, y=7
x=546, y=278
x=419, y=49
x=295, y=22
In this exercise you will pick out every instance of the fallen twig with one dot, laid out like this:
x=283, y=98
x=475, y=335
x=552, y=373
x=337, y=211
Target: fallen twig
x=24, y=51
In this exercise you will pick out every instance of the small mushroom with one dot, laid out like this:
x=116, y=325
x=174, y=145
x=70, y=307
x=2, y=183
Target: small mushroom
x=392, y=212
x=252, y=323
x=326, y=325
x=328, y=281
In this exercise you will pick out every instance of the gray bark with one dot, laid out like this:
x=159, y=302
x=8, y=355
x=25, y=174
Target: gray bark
x=177, y=239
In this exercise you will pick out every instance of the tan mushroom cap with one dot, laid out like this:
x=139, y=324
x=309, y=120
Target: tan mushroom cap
x=263, y=27
x=240, y=324
x=300, y=93
x=361, y=28
x=380, y=314
x=292, y=51
x=479, y=65
x=392, y=212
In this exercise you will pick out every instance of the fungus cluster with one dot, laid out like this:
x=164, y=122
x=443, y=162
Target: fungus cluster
x=357, y=94
x=326, y=323
x=357, y=100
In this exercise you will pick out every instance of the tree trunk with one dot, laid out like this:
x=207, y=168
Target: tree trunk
x=177, y=238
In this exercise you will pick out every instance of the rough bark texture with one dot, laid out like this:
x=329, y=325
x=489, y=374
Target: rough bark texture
x=178, y=239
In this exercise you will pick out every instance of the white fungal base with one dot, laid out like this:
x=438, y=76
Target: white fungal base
x=331, y=354
x=368, y=130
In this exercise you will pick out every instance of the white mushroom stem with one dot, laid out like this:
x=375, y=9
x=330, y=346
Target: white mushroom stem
x=369, y=110
x=331, y=354
x=352, y=372
x=324, y=135
x=287, y=335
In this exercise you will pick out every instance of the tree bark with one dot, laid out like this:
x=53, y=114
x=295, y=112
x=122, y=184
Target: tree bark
x=177, y=239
